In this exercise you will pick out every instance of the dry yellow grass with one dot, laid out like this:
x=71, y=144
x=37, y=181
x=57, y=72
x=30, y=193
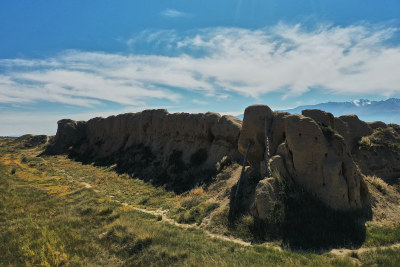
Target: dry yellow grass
x=385, y=202
x=52, y=219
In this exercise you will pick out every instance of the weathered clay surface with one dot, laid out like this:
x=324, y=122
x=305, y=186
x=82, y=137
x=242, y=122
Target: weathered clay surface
x=352, y=129
x=253, y=131
x=320, y=116
x=379, y=153
x=31, y=140
x=278, y=167
x=69, y=132
x=160, y=143
x=265, y=196
x=323, y=165
x=377, y=124
x=179, y=148
x=277, y=131
x=316, y=158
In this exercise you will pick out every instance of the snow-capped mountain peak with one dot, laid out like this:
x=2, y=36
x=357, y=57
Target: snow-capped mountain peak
x=385, y=110
x=361, y=102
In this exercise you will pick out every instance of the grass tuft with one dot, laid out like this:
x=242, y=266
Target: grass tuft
x=382, y=235
x=48, y=217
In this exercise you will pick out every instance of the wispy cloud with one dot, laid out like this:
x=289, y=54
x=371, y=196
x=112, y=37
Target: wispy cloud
x=173, y=13
x=78, y=78
x=200, y=102
x=215, y=62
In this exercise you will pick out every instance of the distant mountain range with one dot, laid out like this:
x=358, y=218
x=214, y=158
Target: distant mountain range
x=386, y=110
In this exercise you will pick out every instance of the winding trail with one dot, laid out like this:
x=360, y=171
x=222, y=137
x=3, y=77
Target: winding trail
x=341, y=252
x=165, y=218
x=193, y=226
x=86, y=185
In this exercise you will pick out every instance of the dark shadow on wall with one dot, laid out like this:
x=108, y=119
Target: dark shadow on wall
x=140, y=162
x=306, y=223
x=310, y=225
x=299, y=220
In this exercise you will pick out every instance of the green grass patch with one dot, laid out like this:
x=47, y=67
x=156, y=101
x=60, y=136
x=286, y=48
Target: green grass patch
x=48, y=218
x=382, y=235
x=82, y=228
x=39, y=229
x=381, y=257
x=195, y=214
x=388, y=138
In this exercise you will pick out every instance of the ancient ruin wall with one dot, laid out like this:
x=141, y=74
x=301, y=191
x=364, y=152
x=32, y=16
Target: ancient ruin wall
x=308, y=151
x=316, y=150
x=173, y=148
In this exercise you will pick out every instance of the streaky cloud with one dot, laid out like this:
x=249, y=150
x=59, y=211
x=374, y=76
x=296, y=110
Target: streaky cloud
x=173, y=13
x=215, y=62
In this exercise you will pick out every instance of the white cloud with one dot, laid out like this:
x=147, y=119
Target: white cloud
x=199, y=102
x=232, y=113
x=164, y=37
x=173, y=13
x=215, y=62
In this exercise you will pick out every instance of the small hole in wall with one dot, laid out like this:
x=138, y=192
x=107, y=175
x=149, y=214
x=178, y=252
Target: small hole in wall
x=326, y=155
x=316, y=138
x=300, y=134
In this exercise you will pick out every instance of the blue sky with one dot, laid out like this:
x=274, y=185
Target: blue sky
x=80, y=59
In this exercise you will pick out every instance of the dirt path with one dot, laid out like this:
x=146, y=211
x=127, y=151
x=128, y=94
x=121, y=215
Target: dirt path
x=163, y=213
x=342, y=252
x=353, y=253
x=86, y=185
x=165, y=218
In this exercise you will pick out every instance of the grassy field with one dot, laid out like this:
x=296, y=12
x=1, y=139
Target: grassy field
x=55, y=211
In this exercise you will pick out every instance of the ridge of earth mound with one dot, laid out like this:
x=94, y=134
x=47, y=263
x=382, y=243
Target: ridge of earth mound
x=179, y=150
x=321, y=154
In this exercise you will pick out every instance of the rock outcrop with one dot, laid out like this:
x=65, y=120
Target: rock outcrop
x=322, y=164
x=69, y=133
x=315, y=150
x=352, y=129
x=324, y=118
x=309, y=151
x=266, y=195
x=31, y=140
x=253, y=131
x=379, y=153
x=377, y=124
x=175, y=149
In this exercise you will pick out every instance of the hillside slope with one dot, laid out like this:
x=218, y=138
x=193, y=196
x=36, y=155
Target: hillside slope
x=113, y=191
x=55, y=211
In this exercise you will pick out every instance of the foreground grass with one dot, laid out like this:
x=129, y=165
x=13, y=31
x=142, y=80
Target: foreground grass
x=382, y=235
x=125, y=189
x=48, y=218
x=381, y=257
